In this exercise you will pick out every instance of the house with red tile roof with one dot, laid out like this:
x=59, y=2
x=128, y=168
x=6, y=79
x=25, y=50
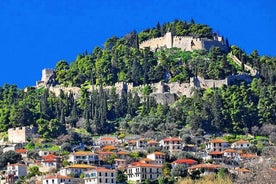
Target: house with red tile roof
x=100, y=175
x=241, y=144
x=157, y=157
x=172, y=144
x=231, y=153
x=17, y=170
x=184, y=161
x=122, y=154
x=103, y=141
x=152, y=144
x=217, y=145
x=86, y=157
x=22, y=152
x=138, y=172
x=120, y=164
x=137, y=144
x=50, y=161
x=103, y=155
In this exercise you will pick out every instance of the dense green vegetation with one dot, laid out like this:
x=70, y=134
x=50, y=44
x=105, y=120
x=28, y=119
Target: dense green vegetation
x=235, y=109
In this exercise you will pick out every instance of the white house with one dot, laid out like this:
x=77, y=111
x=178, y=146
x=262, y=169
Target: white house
x=186, y=162
x=75, y=169
x=58, y=179
x=103, y=141
x=86, y=157
x=100, y=175
x=138, y=172
x=17, y=169
x=158, y=157
x=50, y=161
x=241, y=144
x=217, y=145
x=172, y=144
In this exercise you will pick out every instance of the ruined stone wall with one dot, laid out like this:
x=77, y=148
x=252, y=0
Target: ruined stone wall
x=67, y=90
x=154, y=43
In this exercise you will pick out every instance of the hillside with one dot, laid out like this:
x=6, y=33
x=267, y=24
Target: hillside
x=239, y=106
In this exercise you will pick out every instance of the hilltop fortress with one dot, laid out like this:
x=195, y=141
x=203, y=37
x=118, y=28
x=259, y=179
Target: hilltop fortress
x=164, y=93
x=185, y=43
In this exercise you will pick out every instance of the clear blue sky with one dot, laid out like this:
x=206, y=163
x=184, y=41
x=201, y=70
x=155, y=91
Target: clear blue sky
x=35, y=34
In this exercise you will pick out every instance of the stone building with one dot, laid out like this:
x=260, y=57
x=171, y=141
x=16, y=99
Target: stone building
x=20, y=134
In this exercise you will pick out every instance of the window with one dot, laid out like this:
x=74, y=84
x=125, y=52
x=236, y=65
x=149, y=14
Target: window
x=100, y=180
x=112, y=175
x=100, y=174
x=112, y=180
x=106, y=180
x=105, y=174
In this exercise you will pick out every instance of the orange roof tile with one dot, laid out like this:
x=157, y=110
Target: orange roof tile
x=81, y=166
x=108, y=139
x=242, y=141
x=105, y=152
x=23, y=150
x=50, y=157
x=215, y=153
x=230, y=151
x=152, y=142
x=81, y=153
x=217, y=141
x=57, y=176
x=274, y=169
x=185, y=161
x=139, y=164
x=158, y=153
x=205, y=166
x=248, y=155
x=146, y=159
x=109, y=147
x=122, y=153
x=172, y=139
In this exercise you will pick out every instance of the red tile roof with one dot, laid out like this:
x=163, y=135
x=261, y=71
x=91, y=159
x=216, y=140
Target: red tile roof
x=122, y=153
x=83, y=153
x=109, y=147
x=217, y=141
x=152, y=142
x=248, y=155
x=108, y=139
x=172, y=139
x=58, y=176
x=230, y=151
x=158, y=153
x=81, y=166
x=50, y=158
x=242, y=141
x=139, y=164
x=215, y=153
x=185, y=161
x=23, y=150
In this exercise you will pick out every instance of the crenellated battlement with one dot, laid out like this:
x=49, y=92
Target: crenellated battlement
x=185, y=43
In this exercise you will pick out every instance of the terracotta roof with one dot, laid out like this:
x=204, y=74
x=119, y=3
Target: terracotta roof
x=230, y=151
x=146, y=159
x=50, y=157
x=217, y=141
x=158, y=153
x=105, y=152
x=132, y=141
x=82, y=153
x=109, y=147
x=103, y=169
x=274, y=169
x=244, y=170
x=185, y=161
x=172, y=139
x=242, y=141
x=205, y=166
x=57, y=176
x=119, y=159
x=248, y=155
x=139, y=164
x=152, y=142
x=23, y=150
x=81, y=166
x=108, y=139
x=122, y=153
x=215, y=153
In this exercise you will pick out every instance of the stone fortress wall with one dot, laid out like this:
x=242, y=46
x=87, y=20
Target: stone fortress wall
x=185, y=43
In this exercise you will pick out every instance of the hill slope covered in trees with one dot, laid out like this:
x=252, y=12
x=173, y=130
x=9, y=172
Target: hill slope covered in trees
x=237, y=108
